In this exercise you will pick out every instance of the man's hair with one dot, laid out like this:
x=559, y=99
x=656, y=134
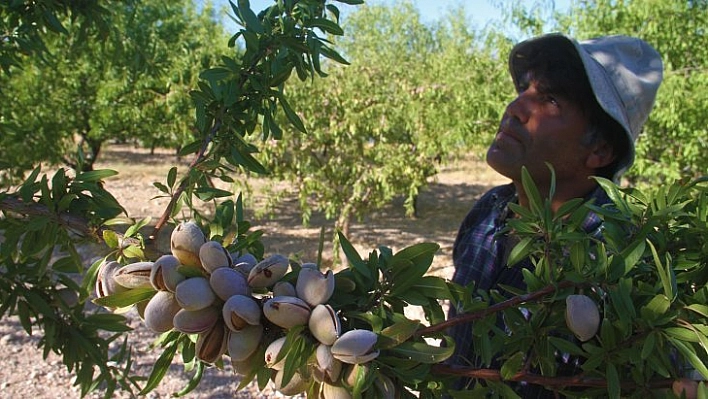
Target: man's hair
x=559, y=70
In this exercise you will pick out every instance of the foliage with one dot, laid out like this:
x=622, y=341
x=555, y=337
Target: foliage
x=41, y=271
x=24, y=25
x=133, y=86
x=381, y=131
x=647, y=278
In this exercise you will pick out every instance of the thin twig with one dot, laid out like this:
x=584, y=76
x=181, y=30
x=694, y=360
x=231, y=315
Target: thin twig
x=76, y=223
x=497, y=307
x=579, y=380
x=199, y=157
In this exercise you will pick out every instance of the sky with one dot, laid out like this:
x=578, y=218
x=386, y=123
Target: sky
x=479, y=12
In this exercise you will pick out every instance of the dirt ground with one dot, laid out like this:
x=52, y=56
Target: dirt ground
x=441, y=207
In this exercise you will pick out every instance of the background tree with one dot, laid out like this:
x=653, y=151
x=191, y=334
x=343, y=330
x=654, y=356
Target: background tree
x=131, y=87
x=412, y=98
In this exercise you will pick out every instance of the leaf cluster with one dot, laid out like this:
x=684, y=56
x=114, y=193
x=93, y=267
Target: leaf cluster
x=41, y=266
x=646, y=273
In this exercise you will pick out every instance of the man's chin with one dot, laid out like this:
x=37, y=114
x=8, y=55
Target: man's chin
x=495, y=160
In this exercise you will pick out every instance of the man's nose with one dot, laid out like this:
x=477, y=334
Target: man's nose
x=518, y=108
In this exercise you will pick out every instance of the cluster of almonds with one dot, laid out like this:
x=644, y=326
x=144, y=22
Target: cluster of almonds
x=203, y=289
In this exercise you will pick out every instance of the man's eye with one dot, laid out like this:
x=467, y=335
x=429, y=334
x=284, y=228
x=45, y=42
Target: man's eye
x=552, y=100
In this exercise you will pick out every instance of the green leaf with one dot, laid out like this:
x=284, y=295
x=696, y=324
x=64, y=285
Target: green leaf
x=159, y=369
x=521, y=251
x=133, y=252
x=632, y=254
x=23, y=312
x=353, y=257
x=410, y=264
x=194, y=381
x=249, y=17
x=648, y=345
x=397, y=333
x=700, y=309
x=534, y=197
x=433, y=287
x=424, y=353
x=245, y=159
x=327, y=26
x=690, y=355
x=216, y=74
x=684, y=334
x=130, y=231
x=125, y=298
x=565, y=346
x=95, y=175
x=67, y=264
x=290, y=114
x=613, y=381
x=109, y=322
x=666, y=273
x=512, y=365
x=190, y=148
x=209, y=193
x=332, y=55
x=655, y=308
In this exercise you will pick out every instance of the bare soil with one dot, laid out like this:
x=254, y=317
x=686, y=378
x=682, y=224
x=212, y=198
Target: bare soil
x=441, y=207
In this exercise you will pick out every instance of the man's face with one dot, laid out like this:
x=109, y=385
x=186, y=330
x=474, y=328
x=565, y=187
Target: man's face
x=539, y=127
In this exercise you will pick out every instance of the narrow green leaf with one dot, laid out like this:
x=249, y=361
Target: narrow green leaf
x=666, y=274
x=409, y=265
x=632, y=254
x=700, y=309
x=332, y=55
x=290, y=114
x=159, y=369
x=125, y=298
x=613, y=381
x=23, y=312
x=648, y=345
x=565, y=346
x=194, y=381
x=534, y=197
x=398, y=332
x=690, y=355
x=433, y=287
x=655, y=308
x=353, y=257
x=521, y=251
x=424, y=353
x=327, y=26
x=109, y=322
x=249, y=17
x=512, y=365
x=95, y=175
x=172, y=176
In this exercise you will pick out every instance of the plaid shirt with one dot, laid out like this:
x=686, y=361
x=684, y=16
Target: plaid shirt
x=480, y=253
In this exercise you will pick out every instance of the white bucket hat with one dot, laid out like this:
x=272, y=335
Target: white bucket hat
x=624, y=73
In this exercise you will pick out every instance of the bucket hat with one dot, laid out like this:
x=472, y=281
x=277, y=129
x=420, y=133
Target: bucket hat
x=624, y=73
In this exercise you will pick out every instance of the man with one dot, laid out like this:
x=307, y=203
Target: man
x=580, y=107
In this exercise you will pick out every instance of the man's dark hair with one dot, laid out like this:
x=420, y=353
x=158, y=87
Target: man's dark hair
x=557, y=69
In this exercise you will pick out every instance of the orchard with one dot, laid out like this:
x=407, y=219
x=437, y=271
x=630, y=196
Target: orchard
x=279, y=96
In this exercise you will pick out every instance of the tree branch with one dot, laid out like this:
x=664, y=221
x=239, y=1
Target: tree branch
x=579, y=380
x=76, y=223
x=497, y=307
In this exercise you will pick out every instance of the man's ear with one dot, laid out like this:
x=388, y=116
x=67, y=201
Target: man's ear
x=601, y=155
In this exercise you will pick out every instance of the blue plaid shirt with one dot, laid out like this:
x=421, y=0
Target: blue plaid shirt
x=480, y=253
